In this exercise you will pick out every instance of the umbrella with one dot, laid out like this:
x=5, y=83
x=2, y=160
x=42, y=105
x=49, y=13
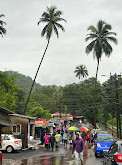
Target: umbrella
x=73, y=128
x=91, y=126
x=57, y=129
x=83, y=129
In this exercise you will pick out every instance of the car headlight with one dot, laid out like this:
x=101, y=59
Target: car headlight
x=98, y=145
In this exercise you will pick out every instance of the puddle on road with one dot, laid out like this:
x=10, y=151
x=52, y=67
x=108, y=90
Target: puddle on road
x=47, y=160
x=61, y=158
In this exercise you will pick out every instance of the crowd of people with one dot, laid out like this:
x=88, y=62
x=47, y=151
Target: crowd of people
x=76, y=141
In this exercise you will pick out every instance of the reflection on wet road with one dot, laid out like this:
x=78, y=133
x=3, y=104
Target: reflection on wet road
x=61, y=157
x=47, y=160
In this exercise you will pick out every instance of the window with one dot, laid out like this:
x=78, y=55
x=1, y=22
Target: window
x=105, y=138
x=17, y=129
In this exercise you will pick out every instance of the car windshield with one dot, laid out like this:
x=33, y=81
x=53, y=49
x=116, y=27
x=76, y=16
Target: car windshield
x=105, y=138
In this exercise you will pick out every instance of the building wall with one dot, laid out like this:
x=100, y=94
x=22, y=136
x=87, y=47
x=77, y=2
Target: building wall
x=24, y=129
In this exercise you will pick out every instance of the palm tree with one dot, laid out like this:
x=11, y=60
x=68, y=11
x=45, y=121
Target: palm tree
x=2, y=29
x=81, y=71
x=100, y=36
x=51, y=17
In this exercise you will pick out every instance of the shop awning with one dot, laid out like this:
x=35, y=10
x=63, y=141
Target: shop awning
x=52, y=121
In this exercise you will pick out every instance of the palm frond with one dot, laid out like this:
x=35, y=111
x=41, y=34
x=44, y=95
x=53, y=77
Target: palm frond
x=92, y=28
x=90, y=47
x=56, y=19
x=91, y=36
x=44, y=30
x=113, y=39
x=2, y=15
x=100, y=26
x=56, y=30
x=60, y=26
x=107, y=48
x=2, y=22
x=2, y=30
x=58, y=13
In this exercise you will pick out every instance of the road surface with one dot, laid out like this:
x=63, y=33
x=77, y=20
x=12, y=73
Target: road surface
x=41, y=157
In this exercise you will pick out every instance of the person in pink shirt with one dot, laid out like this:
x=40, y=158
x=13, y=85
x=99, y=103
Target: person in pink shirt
x=46, y=141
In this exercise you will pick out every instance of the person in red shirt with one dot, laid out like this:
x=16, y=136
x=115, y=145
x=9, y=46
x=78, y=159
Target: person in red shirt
x=46, y=141
x=88, y=136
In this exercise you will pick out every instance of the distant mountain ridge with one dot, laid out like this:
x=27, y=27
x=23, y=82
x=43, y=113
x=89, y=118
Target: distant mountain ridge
x=23, y=81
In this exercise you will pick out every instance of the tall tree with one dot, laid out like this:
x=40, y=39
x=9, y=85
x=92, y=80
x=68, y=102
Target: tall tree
x=81, y=71
x=100, y=36
x=2, y=29
x=51, y=17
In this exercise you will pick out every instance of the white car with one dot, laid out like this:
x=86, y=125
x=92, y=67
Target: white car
x=10, y=143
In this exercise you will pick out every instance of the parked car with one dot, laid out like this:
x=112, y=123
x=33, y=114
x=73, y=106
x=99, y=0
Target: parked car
x=103, y=143
x=0, y=157
x=10, y=143
x=114, y=155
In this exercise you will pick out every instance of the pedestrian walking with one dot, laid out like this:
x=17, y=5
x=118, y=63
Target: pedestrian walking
x=70, y=139
x=78, y=146
x=52, y=141
x=65, y=139
x=83, y=136
x=57, y=140
x=46, y=141
x=88, y=136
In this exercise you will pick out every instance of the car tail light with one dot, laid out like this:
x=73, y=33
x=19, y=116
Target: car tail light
x=0, y=157
x=16, y=142
x=118, y=158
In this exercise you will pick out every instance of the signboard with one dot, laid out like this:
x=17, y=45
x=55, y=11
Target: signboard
x=41, y=123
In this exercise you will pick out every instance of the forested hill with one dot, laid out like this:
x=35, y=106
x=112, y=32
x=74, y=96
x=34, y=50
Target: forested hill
x=23, y=81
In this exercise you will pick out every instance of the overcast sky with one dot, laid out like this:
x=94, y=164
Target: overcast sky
x=22, y=47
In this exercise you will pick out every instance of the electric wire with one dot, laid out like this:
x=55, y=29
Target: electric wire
x=116, y=66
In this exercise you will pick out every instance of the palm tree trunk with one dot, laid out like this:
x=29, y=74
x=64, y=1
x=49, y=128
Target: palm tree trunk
x=26, y=104
x=95, y=95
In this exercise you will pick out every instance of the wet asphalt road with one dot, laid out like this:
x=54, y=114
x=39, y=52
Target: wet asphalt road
x=61, y=157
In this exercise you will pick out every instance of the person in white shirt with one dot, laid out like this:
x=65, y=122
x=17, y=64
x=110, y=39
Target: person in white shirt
x=65, y=139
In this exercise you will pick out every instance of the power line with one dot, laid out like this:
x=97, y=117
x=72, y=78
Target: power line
x=116, y=66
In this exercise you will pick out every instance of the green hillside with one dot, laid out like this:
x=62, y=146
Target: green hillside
x=23, y=81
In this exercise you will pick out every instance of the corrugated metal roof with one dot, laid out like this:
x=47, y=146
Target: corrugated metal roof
x=6, y=111
x=4, y=118
x=22, y=116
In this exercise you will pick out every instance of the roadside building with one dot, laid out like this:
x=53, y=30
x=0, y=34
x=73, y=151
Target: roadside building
x=23, y=127
x=4, y=119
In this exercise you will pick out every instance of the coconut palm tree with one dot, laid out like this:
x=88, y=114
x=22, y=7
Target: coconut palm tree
x=2, y=29
x=81, y=71
x=100, y=35
x=51, y=17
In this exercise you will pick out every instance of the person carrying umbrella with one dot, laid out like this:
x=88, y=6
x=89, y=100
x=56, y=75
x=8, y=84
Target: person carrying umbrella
x=78, y=146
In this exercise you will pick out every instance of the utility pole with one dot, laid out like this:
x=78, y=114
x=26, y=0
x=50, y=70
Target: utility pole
x=117, y=108
x=111, y=102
